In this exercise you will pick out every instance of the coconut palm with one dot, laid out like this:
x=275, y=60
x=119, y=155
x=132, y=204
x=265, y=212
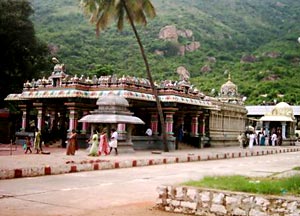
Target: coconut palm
x=103, y=12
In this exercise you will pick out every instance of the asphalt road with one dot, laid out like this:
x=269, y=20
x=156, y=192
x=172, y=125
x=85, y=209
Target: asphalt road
x=87, y=193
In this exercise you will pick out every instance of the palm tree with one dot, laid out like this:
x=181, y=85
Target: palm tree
x=102, y=12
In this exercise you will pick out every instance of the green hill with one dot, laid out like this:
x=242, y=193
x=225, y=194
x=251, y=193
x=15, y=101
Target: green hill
x=263, y=33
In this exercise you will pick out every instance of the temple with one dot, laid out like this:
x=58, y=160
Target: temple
x=57, y=103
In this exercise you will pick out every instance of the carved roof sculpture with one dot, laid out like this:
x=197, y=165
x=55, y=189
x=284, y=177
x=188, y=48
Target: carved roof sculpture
x=229, y=89
x=58, y=70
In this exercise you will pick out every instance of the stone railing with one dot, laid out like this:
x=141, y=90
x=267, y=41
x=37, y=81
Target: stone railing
x=199, y=201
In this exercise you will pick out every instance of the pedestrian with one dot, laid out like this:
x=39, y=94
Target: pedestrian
x=114, y=141
x=37, y=141
x=27, y=145
x=241, y=138
x=262, y=137
x=180, y=134
x=274, y=138
x=149, y=132
x=95, y=144
x=72, y=143
x=103, y=144
x=251, y=140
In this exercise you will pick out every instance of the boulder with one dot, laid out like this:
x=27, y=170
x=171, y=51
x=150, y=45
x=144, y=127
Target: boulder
x=168, y=33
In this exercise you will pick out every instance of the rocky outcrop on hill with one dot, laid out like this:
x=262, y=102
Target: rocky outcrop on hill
x=185, y=33
x=272, y=54
x=168, y=33
x=171, y=33
x=206, y=69
x=248, y=59
x=271, y=77
x=211, y=59
x=192, y=46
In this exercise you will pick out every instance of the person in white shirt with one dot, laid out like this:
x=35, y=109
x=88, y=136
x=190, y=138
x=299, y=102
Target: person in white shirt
x=251, y=140
x=114, y=141
x=149, y=132
x=274, y=139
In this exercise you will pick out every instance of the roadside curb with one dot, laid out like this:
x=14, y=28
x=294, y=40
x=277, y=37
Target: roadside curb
x=91, y=165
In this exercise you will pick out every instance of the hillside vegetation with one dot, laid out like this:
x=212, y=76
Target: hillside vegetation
x=263, y=33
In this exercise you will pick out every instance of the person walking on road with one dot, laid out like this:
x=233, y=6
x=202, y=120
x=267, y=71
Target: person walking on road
x=72, y=143
x=95, y=144
x=251, y=140
x=27, y=146
x=37, y=141
x=114, y=141
x=242, y=139
x=103, y=144
x=274, y=138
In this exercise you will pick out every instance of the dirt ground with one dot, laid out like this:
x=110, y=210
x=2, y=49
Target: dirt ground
x=137, y=209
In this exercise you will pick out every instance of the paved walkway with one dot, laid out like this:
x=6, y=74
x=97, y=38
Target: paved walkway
x=16, y=164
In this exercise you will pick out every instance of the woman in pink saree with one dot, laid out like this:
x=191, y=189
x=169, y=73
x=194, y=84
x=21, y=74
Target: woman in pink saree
x=103, y=144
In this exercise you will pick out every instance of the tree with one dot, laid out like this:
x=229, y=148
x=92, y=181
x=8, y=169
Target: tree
x=22, y=55
x=102, y=12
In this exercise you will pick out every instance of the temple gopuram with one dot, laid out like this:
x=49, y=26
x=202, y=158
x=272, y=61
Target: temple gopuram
x=55, y=105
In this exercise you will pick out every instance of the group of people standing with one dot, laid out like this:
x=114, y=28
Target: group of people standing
x=99, y=145
x=250, y=138
x=103, y=145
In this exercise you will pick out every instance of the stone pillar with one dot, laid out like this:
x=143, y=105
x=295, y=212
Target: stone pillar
x=129, y=133
x=267, y=128
x=72, y=119
x=203, y=125
x=73, y=115
x=24, y=120
x=283, y=131
x=125, y=144
x=122, y=134
x=40, y=119
x=40, y=115
x=194, y=132
x=267, y=124
x=207, y=119
x=85, y=125
x=24, y=117
x=154, y=123
x=169, y=122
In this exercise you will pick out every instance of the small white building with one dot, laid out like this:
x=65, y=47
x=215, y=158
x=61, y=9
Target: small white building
x=281, y=118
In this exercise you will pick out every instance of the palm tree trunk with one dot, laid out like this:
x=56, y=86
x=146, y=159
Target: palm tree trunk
x=153, y=87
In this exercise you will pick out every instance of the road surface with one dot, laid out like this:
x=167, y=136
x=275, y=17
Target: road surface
x=130, y=191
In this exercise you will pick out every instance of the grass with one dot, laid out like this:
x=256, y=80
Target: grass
x=270, y=186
